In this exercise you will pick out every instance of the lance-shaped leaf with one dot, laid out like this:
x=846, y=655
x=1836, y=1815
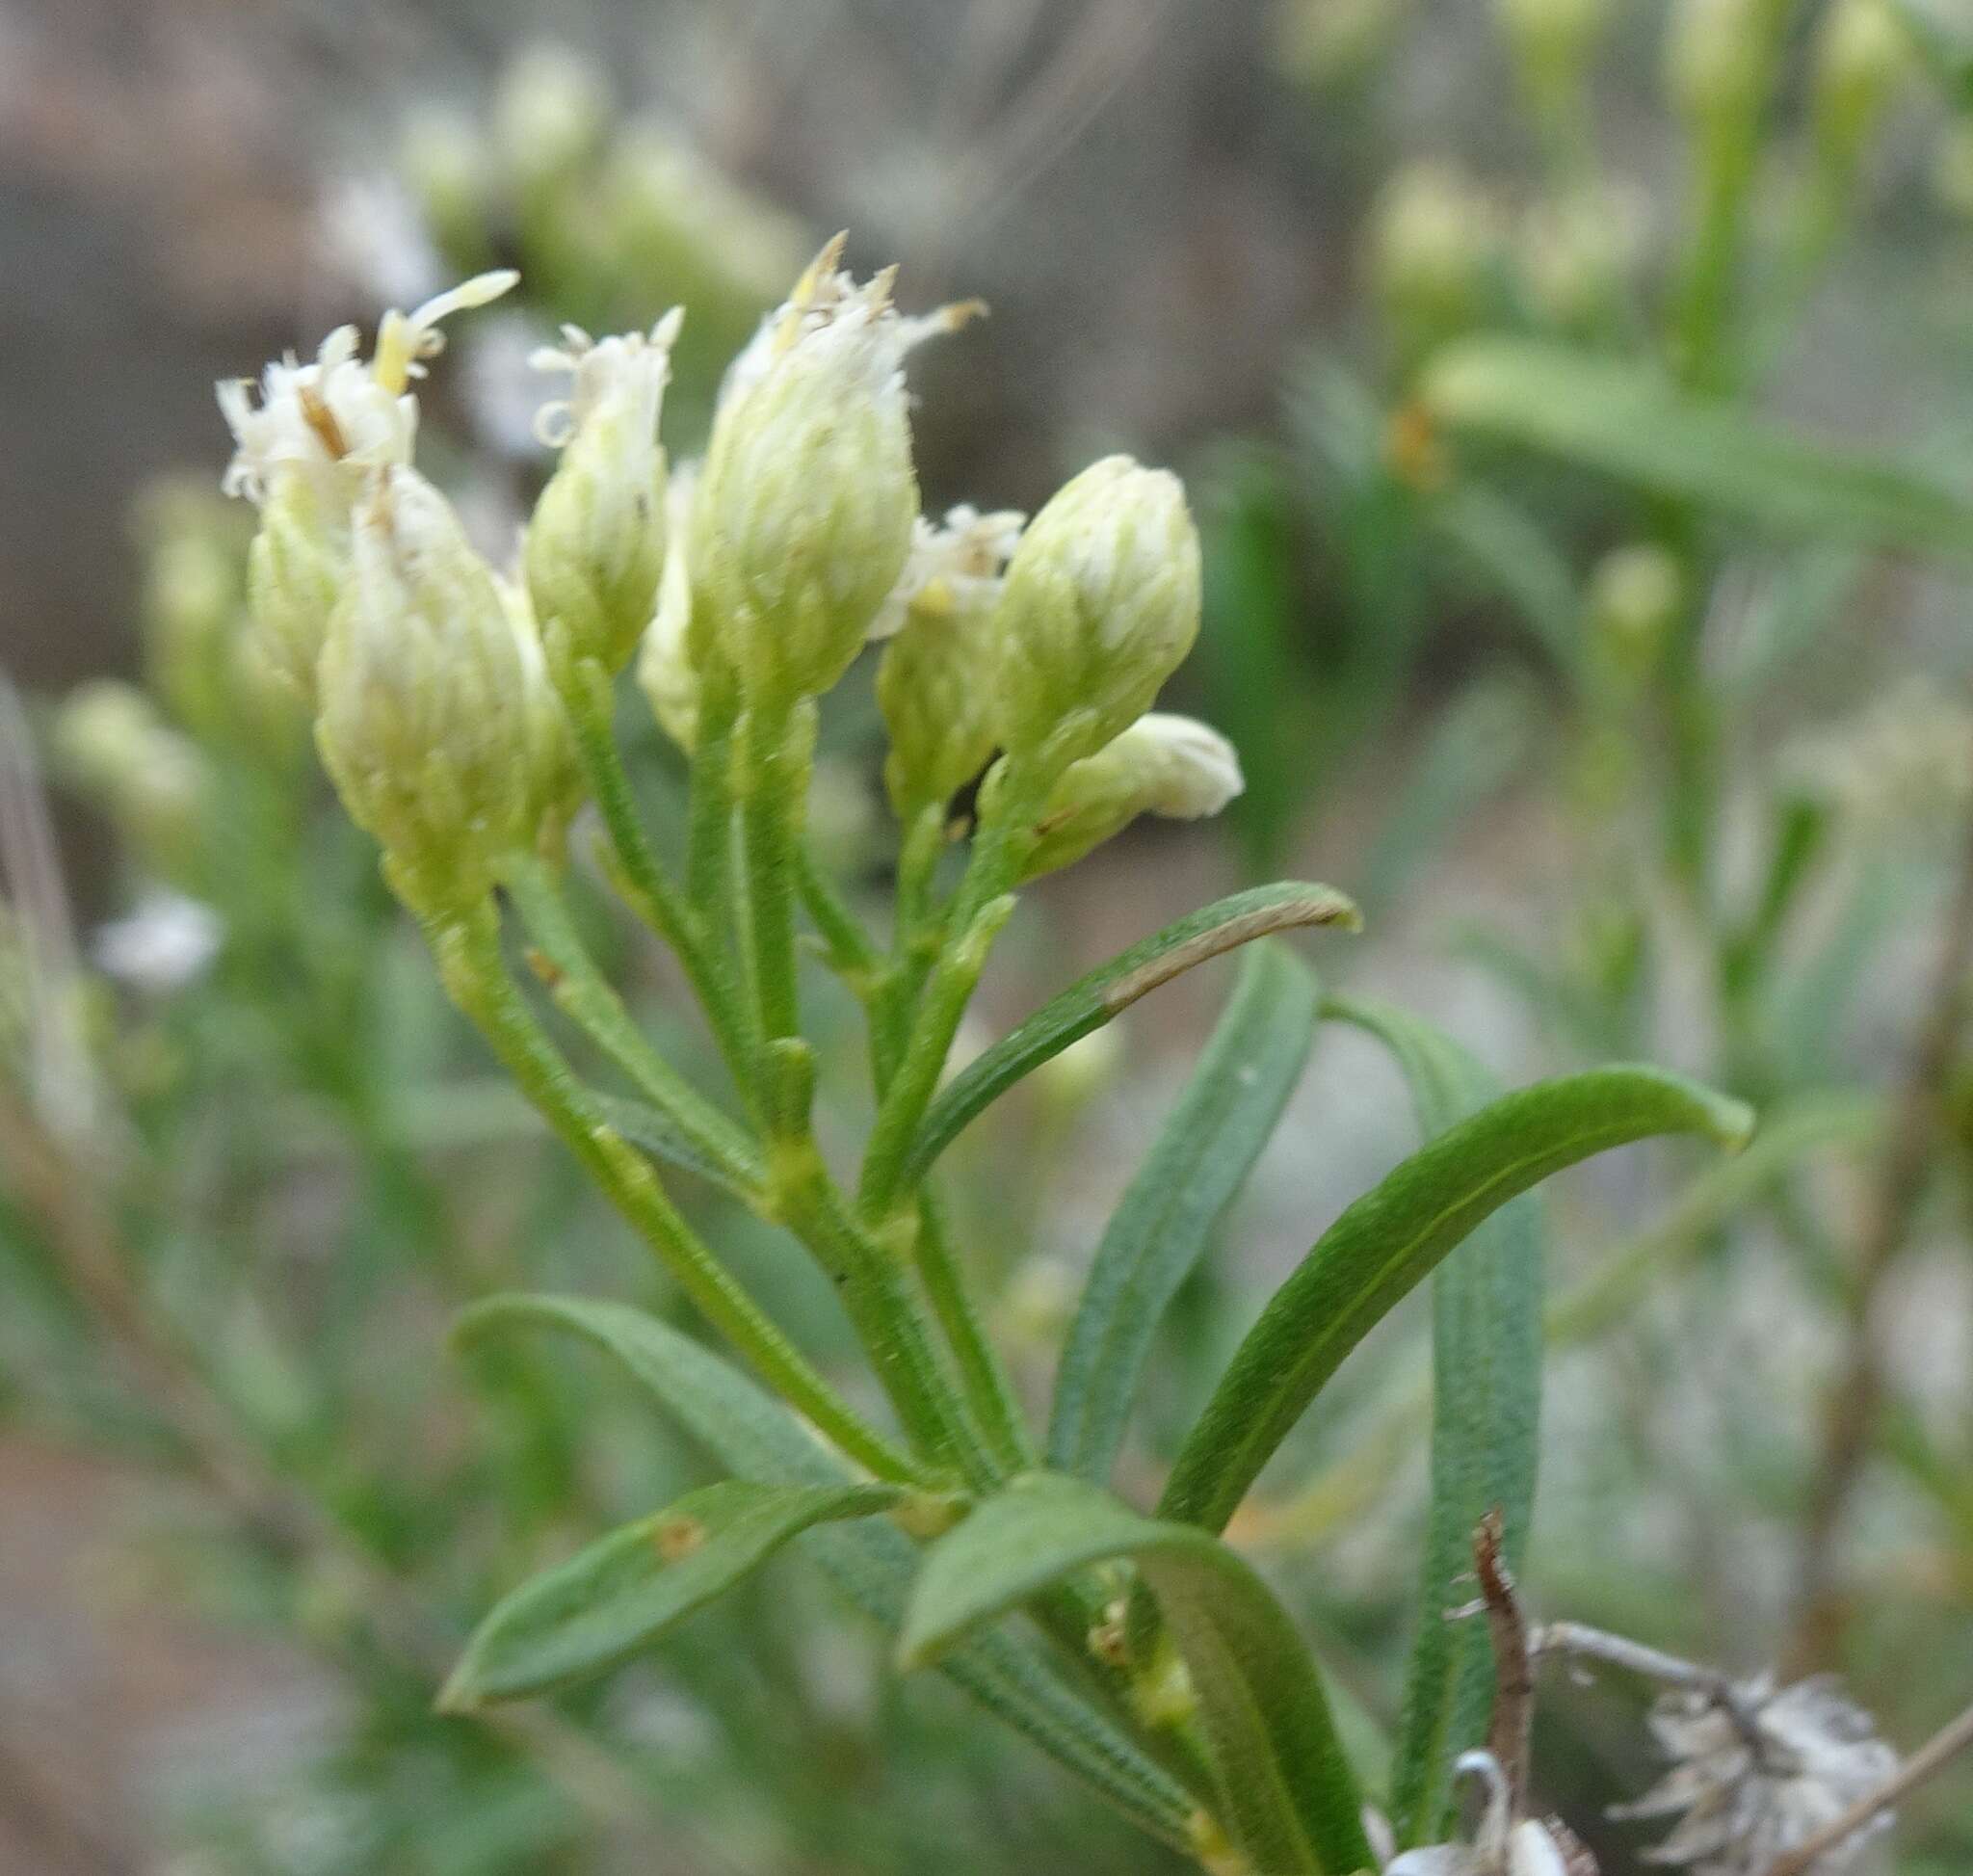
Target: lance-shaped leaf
x=871, y=1563
x=1290, y=1798
x=1486, y=1408
x=1199, y=1162
x=623, y=1593
x=1631, y=421
x=1394, y=1234
x=1111, y=989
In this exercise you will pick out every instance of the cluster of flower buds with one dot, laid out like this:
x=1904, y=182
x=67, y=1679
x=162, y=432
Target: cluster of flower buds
x=439, y=683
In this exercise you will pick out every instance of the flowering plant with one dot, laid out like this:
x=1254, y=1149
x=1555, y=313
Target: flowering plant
x=467, y=716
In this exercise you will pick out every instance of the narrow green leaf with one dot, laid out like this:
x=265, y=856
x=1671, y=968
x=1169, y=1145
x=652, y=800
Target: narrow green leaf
x=1631, y=421
x=1199, y=1162
x=650, y=1128
x=1394, y=1234
x=1292, y=1801
x=1111, y=989
x=613, y=1599
x=1486, y=1410
x=871, y=1564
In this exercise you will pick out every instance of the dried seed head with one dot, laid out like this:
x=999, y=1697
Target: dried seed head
x=1756, y=1773
x=1162, y=764
x=596, y=543
x=1100, y=607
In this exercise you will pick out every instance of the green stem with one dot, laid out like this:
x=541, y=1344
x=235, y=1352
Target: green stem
x=589, y=698
x=780, y=742
x=983, y=1375
x=981, y=907
x=467, y=950
x=583, y=995
x=851, y=954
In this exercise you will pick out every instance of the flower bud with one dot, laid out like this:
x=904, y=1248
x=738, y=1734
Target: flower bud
x=806, y=503
x=296, y=570
x=936, y=680
x=154, y=783
x=667, y=662
x=595, y=544
x=1434, y=234
x=551, y=114
x=1862, y=51
x=1101, y=605
x=1635, y=594
x=430, y=723
x=1715, y=58
x=1162, y=764
x=1552, y=39
x=1576, y=252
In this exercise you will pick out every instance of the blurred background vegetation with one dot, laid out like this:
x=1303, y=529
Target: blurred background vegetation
x=1573, y=396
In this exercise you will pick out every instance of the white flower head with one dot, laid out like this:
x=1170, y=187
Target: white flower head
x=340, y=417
x=626, y=372
x=955, y=567
x=807, y=497
x=595, y=547
x=828, y=295
x=1758, y=1773
x=935, y=683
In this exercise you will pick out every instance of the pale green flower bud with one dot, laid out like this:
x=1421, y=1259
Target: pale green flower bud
x=1434, y=235
x=1162, y=764
x=1715, y=58
x=596, y=543
x=429, y=725
x=1635, y=595
x=668, y=661
x=445, y=162
x=551, y=114
x=1101, y=606
x=1552, y=40
x=1861, y=54
x=935, y=683
x=296, y=570
x=803, y=514
x=1576, y=253
x=553, y=769
x=110, y=742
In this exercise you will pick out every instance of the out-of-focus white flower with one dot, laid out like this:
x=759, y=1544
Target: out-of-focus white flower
x=340, y=416
x=1757, y=1774
x=1903, y=763
x=374, y=237
x=165, y=944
